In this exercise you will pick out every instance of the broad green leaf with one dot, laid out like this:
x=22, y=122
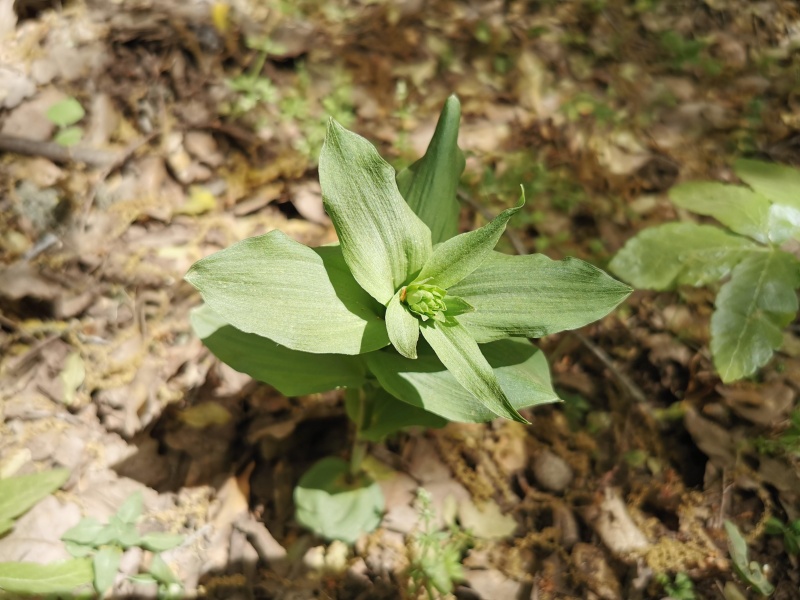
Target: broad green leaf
x=160, y=570
x=459, y=352
x=131, y=509
x=157, y=541
x=383, y=242
x=778, y=183
x=388, y=415
x=750, y=572
x=662, y=257
x=520, y=367
x=302, y=298
x=54, y=578
x=456, y=258
x=403, y=327
x=20, y=493
x=336, y=505
x=106, y=564
x=430, y=184
x=751, y=311
x=86, y=532
x=784, y=223
x=291, y=372
x=66, y=112
x=533, y=296
x=739, y=208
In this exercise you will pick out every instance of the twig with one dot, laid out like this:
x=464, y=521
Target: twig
x=57, y=153
x=634, y=390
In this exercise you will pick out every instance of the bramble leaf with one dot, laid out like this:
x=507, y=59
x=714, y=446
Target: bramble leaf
x=533, y=296
x=459, y=352
x=383, y=242
x=291, y=372
x=520, y=368
x=662, y=257
x=403, y=327
x=456, y=258
x=299, y=297
x=429, y=185
x=751, y=311
x=735, y=206
x=778, y=183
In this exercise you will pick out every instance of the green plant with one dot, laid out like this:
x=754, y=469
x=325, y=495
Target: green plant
x=787, y=442
x=253, y=88
x=435, y=556
x=681, y=588
x=351, y=315
x=759, y=299
x=750, y=571
x=789, y=531
x=17, y=496
x=65, y=114
x=105, y=543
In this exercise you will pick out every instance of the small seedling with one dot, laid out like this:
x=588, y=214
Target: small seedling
x=787, y=442
x=435, y=556
x=759, y=298
x=105, y=544
x=680, y=588
x=750, y=571
x=65, y=115
x=420, y=324
x=789, y=531
x=17, y=496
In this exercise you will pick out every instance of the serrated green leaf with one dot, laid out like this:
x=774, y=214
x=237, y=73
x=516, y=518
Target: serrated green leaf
x=335, y=505
x=66, y=112
x=751, y=311
x=662, y=257
x=520, y=367
x=85, y=532
x=459, y=352
x=160, y=541
x=291, y=372
x=739, y=208
x=20, y=493
x=161, y=571
x=456, y=258
x=388, y=415
x=302, y=298
x=131, y=509
x=784, y=223
x=778, y=183
x=106, y=564
x=403, y=327
x=383, y=242
x=533, y=296
x=430, y=184
x=35, y=578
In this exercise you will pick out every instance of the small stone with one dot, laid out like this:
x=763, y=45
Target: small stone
x=552, y=472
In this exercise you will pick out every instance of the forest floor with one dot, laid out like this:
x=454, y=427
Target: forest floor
x=203, y=123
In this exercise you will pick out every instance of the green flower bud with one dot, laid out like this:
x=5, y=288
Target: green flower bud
x=426, y=301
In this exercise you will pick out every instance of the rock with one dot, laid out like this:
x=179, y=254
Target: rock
x=552, y=472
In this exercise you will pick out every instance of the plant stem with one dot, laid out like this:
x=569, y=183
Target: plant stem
x=359, y=450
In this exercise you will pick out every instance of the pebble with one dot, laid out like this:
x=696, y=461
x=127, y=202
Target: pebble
x=552, y=472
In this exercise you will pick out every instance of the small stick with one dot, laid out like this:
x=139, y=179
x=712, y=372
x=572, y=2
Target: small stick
x=58, y=153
